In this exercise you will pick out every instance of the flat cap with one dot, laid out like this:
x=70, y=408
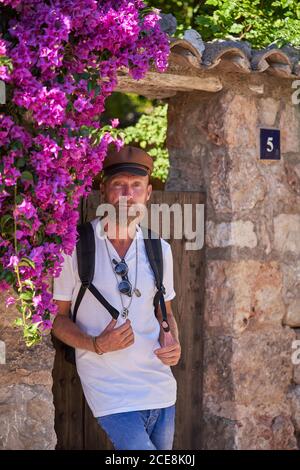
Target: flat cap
x=128, y=159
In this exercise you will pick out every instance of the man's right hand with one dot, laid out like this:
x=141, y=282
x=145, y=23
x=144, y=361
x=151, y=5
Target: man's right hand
x=113, y=339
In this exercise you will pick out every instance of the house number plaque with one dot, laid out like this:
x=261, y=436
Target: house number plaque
x=269, y=144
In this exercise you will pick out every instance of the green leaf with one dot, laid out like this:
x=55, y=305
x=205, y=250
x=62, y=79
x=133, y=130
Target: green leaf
x=97, y=90
x=236, y=28
x=76, y=77
x=85, y=76
x=16, y=145
x=26, y=221
x=32, y=334
x=39, y=237
x=29, y=283
x=18, y=322
x=26, y=175
x=9, y=277
x=5, y=219
x=20, y=162
x=25, y=261
x=26, y=295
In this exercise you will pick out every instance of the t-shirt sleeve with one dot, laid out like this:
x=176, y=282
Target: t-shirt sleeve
x=64, y=284
x=168, y=280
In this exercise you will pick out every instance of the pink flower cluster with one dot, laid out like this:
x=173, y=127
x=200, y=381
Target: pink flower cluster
x=4, y=72
x=65, y=55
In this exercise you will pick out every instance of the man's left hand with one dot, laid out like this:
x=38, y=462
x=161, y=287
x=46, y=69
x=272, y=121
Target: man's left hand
x=169, y=355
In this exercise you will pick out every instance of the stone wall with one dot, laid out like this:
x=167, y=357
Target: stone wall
x=26, y=400
x=252, y=297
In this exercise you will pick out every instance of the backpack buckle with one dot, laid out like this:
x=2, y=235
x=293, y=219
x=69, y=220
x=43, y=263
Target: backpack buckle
x=162, y=289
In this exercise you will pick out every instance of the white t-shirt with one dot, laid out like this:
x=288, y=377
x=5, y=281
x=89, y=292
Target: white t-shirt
x=133, y=378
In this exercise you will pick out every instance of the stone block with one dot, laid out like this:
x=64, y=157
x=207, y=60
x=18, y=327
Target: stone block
x=289, y=126
x=268, y=109
x=262, y=367
x=247, y=186
x=291, y=280
x=219, y=297
x=257, y=294
x=238, y=233
x=218, y=381
x=292, y=317
x=26, y=419
x=261, y=430
x=241, y=119
x=286, y=233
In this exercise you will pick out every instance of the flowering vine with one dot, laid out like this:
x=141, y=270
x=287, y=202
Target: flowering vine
x=59, y=60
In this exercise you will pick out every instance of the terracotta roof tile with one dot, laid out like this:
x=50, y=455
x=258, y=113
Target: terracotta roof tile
x=284, y=62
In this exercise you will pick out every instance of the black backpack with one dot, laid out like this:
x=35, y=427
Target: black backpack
x=85, y=249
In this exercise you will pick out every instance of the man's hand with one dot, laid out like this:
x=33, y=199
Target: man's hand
x=113, y=339
x=169, y=355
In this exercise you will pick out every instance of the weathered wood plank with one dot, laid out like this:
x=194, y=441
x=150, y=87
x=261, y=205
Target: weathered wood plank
x=188, y=311
x=94, y=437
x=166, y=82
x=68, y=401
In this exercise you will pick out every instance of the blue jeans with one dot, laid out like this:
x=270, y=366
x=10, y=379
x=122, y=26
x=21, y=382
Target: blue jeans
x=140, y=430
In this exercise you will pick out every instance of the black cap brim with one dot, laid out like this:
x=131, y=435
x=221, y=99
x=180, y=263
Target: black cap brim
x=133, y=169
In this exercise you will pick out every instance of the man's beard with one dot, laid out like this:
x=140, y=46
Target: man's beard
x=128, y=213
x=125, y=214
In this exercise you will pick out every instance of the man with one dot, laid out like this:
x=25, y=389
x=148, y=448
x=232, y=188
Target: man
x=122, y=364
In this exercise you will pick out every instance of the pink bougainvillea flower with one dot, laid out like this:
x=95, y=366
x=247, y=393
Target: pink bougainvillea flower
x=10, y=301
x=13, y=261
x=4, y=286
x=115, y=122
x=36, y=300
x=60, y=60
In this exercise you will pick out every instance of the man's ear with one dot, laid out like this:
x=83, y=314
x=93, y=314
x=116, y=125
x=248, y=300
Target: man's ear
x=149, y=191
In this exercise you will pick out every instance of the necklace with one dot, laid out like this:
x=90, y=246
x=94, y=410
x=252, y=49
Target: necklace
x=125, y=310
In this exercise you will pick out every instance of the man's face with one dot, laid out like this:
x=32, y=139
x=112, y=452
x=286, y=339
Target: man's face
x=133, y=189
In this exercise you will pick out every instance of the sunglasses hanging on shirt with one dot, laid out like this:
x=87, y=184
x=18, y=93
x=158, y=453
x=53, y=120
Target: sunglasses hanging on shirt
x=125, y=286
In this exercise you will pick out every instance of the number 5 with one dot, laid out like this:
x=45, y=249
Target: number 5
x=270, y=146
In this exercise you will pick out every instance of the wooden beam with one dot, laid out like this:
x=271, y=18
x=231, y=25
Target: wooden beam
x=163, y=82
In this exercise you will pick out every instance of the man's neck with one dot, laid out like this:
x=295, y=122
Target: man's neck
x=121, y=237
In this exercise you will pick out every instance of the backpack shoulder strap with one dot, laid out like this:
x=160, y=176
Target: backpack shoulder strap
x=86, y=249
x=154, y=252
x=86, y=252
